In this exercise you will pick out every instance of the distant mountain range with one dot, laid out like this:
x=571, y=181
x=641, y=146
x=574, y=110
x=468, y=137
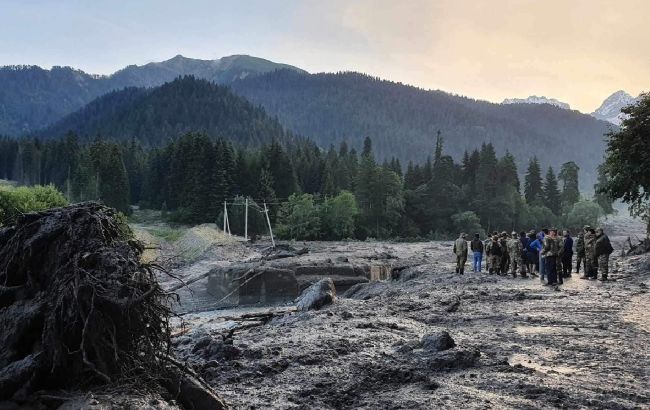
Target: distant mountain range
x=329, y=108
x=533, y=99
x=610, y=109
x=32, y=98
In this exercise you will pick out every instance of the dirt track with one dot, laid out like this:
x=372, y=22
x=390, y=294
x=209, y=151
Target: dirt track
x=519, y=344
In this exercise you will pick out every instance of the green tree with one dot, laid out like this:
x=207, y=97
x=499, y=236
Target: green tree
x=570, y=189
x=601, y=195
x=299, y=218
x=552, y=199
x=627, y=165
x=533, y=189
x=467, y=222
x=338, y=216
x=583, y=213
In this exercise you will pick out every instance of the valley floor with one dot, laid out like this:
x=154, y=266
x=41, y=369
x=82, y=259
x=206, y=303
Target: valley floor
x=519, y=344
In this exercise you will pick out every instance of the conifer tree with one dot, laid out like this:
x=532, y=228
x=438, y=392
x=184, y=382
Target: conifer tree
x=570, y=188
x=551, y=192
x=533, y=182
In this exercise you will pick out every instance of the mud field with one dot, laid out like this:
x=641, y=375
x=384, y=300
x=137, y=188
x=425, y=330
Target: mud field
x=513, y=343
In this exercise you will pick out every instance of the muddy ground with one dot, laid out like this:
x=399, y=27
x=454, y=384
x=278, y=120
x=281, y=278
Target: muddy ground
x=516, y=343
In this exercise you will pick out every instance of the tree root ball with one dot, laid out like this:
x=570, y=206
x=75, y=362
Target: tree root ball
x=77, y=307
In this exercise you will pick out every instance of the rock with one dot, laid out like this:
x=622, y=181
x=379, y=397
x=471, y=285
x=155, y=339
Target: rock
x=319, y=294
x=365, y=291
x=454, y=359
x=437, y=342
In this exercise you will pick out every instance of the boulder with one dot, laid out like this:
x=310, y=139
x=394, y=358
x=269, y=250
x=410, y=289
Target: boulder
x=437, y=342
x=319, y=294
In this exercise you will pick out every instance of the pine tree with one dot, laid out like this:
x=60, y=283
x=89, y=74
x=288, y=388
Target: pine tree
x=533, y=182
x=551, y=193
x=570, y=188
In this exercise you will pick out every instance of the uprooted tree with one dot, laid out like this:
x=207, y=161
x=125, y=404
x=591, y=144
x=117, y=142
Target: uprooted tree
x=78, y=309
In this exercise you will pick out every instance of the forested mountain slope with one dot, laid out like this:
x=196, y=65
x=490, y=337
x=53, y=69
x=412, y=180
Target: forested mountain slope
x=154, y=115
x=32, y=97
x=403, y=120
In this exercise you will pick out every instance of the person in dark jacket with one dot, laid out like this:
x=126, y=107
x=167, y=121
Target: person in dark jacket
x=567, y=254
x=524, y=252
x=533, y=255
x=477, y=249
x=603, y=250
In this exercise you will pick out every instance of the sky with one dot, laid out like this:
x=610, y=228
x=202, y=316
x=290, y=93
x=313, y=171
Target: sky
x=578, y=51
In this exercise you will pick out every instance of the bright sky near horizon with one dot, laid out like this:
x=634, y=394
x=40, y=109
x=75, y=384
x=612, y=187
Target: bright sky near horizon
x=578, y=51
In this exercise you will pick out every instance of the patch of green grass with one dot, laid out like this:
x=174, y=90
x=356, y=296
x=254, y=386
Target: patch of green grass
x=167, y=233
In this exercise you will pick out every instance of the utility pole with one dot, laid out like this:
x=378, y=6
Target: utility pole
x=225, y=216
x=246, y=221
x=266, y=212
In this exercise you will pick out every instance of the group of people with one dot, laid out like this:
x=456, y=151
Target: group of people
x=545, y=253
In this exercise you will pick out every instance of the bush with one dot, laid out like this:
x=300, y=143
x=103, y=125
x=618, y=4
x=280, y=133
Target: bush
x=17, y=201
x=467, y=222
x=583, y=213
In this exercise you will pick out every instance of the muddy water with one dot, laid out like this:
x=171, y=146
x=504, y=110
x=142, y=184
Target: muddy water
x=519, y=344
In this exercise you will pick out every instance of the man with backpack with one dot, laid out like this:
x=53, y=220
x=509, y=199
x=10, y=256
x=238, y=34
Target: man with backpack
x=603, y=250
x=494, y=253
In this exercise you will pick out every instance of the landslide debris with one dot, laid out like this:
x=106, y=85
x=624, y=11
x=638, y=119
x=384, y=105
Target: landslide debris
x=78, y=309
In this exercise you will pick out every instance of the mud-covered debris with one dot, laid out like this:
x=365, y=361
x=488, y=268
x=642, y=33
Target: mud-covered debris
x=437, y=342
x=366, y=291
x=282, y=251
x=319, y=294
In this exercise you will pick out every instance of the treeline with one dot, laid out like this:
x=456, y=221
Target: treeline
x=311, y=194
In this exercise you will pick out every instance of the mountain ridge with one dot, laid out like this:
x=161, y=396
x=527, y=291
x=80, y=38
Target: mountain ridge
x=32, y=97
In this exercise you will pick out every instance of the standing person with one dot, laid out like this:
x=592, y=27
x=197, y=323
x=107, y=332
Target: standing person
x=514, y=253
x=591, y=267
x=558, y=262
x=542, y=263
x=580, y=252
x=537, y=245
x=533, y=254
x=460, y=249
x=551, y=251
x=486, y=249
x=494, y=255
x=603, y=249
x=525, y=265
x=567, y=254
x=477, y=250
x=505, y=256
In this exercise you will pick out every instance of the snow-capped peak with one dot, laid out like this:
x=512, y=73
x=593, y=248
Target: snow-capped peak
x=533, y=99
x=610, y=109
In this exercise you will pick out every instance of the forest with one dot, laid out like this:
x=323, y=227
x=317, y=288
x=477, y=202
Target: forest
x=337, y=193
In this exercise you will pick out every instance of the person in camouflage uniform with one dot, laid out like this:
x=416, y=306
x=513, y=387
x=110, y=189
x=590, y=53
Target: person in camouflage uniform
x=494, y=253
x=551, y=251
x=559, y=239
x=603, y=248
x=486, y=247
x=591, y=264
x=514, y=253
x=460, y=250
x=580, y=252
x=505, y=256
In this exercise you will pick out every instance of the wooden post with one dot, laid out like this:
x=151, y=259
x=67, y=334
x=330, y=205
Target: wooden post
x=246, y=221
x=268, y=220
x=225, y=216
